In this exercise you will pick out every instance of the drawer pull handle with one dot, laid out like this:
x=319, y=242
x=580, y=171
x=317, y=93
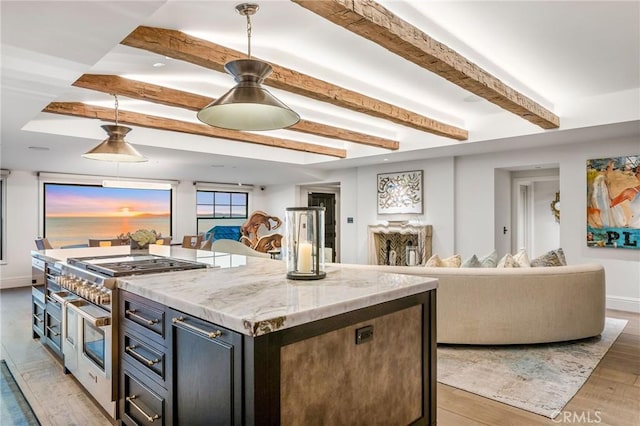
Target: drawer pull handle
x=132, y=312
x=210, y=334
x=52, y=300
x=149, y=418
x=37, y=318
x=149, y=362
x=52, y=332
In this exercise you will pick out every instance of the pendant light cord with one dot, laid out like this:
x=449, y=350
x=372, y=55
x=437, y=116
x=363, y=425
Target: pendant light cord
x=249, y=34
x=116, y=97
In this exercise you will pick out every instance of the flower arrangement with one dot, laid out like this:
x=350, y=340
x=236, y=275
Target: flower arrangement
x=141, y=238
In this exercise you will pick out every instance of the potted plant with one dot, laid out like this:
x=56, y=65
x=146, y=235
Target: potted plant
x=142, y=238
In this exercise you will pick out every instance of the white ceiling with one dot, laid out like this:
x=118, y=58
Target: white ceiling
x=581, y=60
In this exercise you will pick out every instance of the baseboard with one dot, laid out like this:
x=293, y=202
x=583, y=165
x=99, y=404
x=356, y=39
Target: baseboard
x=13, y=282
x=629, y=304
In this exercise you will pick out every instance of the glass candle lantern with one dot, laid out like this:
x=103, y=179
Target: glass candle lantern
x=304, y=243
x=411, y=254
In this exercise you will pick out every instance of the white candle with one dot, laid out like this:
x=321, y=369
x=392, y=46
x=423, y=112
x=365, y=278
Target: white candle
x=412, y=258
x=304, y=257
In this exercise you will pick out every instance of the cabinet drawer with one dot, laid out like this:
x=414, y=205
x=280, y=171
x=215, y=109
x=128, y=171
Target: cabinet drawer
x=141, y=403
x=37, y=316
x=37, y=293
x=54, y=308
x=53, y=332
x=145, y=357
x=143, y=316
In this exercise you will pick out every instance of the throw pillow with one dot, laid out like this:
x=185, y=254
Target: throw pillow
x=522, y=258
x=561, y=256
x=550, y=258
x=472, y=262
x=490, y=260
x=450, y=262
x=508, y=261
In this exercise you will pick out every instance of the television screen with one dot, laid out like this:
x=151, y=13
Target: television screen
x=75, y=213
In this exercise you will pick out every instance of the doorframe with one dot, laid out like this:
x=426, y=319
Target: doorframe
x=330, y=188
x=522, y=213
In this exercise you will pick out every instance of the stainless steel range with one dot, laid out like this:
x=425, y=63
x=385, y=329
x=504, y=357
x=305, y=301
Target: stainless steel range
x=89, y=317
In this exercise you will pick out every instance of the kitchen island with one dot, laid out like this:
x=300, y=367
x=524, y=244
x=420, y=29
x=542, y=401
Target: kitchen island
x=238, y=343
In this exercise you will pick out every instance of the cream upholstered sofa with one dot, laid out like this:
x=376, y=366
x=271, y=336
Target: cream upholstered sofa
x=497, y=306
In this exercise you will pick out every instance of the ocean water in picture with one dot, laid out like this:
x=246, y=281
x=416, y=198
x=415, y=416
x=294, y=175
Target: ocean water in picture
x=64, y=231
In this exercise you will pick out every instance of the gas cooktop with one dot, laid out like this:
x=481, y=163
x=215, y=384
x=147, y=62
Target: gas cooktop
x=118, y=265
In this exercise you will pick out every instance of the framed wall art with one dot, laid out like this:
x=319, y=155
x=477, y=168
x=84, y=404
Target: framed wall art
x=400, y=192
x=613, y=202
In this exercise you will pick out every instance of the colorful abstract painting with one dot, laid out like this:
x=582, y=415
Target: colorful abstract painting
x=613, y=202
x=400, y=192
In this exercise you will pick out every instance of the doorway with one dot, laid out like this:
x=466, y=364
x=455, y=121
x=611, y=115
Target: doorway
x=328, y=201
x=536, y=227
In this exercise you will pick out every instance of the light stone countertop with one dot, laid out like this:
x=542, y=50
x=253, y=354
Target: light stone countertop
x=252, y=295
x=61, y=255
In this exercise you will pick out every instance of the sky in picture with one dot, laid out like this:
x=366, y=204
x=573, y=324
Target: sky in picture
x=96, y=201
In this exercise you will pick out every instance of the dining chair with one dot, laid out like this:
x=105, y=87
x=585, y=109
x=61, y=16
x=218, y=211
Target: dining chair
x=104, y=242
x=207, y=244
x=164, y=241
x=192, y=241
x=43, y=244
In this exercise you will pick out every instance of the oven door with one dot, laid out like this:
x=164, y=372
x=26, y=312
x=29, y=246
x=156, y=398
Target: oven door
x=94, y=352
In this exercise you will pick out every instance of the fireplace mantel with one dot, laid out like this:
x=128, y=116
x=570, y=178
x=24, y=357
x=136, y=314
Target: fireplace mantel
x=399, y=234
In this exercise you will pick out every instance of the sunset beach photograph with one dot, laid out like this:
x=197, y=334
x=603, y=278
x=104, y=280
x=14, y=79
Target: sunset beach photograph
x=75, y=213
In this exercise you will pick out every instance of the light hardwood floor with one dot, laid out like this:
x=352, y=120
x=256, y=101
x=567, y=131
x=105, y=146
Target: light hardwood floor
x=611, y=396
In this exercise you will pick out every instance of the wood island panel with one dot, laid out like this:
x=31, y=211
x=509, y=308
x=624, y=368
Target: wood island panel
x=383, y=376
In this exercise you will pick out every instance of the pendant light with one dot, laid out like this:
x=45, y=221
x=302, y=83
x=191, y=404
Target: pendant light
x=115, y=148
x=248, y=106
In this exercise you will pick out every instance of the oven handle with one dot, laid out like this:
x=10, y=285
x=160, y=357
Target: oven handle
x=96, y=316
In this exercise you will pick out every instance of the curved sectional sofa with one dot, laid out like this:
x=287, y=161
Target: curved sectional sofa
x=499, y=306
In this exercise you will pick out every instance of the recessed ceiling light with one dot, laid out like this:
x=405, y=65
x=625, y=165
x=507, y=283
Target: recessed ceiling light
x=385, y=159
x=39, y=148
x=159, y=64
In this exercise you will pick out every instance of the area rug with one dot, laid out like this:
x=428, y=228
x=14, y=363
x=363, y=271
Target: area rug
x=14, y=408
x=537, y=378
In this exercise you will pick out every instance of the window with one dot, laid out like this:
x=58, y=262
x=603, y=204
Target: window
x=74, y=213
x=222, y=205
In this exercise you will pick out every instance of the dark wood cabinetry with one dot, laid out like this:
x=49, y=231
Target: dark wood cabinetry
x=206, y=372
x=175, y=368
x=145, y=383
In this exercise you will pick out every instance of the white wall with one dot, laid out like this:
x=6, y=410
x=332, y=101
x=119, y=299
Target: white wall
x=503, y=227
x=438, y=198
x=276, y=198
x=22, y=228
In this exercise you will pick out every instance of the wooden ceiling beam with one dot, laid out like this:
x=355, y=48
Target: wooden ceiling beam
x=78, y=109
x=374, y=22
x=134, y=89
x=178, y=45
